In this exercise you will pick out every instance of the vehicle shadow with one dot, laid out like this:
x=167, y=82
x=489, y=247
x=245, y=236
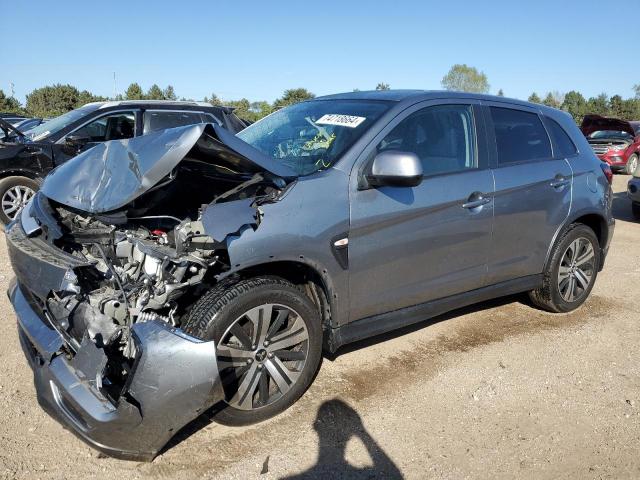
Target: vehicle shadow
x=207, y=417
x=336, y=423
x=621, y=207
x=477, y=307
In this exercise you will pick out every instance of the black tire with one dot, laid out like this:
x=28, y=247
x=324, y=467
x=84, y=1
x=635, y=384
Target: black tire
x=632, y=164
x=635, y=209
x=548, y=297
x=220, y=308
x=8, y=183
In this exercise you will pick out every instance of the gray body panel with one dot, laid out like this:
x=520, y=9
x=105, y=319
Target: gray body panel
x=407, y=254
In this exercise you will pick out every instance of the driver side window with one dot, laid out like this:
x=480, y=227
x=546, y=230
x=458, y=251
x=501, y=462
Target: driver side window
x=442, y=136
x=117, y=126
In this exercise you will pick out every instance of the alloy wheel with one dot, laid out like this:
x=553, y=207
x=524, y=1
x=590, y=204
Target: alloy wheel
x=261, y=355
x=633, y=165
x=576, y=271
x=14, y=199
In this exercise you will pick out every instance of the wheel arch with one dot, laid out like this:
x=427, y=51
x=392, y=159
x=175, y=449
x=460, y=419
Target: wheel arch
x=313, y=280
x=20, y=172
x=596, y=221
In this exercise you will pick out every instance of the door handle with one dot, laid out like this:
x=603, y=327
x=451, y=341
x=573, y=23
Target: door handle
x=476, y=203
x=559, y=181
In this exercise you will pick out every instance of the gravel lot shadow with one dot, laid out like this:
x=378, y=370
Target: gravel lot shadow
x=478, y=307
x=336, y=424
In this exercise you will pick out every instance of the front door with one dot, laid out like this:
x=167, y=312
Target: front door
x=409, y=245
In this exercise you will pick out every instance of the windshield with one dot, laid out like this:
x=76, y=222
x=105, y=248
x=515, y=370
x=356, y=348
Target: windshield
x=610, y=134
x=58, y=123
x=311, y=136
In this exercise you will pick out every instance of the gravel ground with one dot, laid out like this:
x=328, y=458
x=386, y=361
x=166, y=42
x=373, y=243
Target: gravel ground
x=498, y=390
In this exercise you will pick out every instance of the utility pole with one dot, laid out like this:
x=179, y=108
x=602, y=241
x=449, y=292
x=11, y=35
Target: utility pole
x=12, y=89
x=115, y=90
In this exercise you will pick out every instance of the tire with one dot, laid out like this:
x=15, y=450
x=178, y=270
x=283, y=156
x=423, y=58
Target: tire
x=14, y=194
x=232, y=314
x=635, y=209
x=632, y=164
x=554, y=296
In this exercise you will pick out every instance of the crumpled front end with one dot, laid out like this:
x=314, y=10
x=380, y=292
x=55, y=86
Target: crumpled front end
x=127, y=403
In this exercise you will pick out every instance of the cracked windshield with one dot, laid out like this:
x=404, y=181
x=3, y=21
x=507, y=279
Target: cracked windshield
x=308, y=137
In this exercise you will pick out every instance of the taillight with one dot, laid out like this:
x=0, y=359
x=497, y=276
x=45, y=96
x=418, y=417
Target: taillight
x=606, y=169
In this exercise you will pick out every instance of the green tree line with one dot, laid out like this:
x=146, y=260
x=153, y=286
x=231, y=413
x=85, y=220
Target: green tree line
x=53, y=100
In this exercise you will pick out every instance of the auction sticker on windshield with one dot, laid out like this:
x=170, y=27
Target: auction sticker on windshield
x=340, y=120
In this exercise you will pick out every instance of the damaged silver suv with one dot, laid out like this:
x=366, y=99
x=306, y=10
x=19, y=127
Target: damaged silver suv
x=190, y=269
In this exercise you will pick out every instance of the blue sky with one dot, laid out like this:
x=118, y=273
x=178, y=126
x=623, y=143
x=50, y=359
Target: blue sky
x=258, y=49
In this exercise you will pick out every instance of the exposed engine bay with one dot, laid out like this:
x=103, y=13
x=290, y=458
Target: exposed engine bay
x=147, y=267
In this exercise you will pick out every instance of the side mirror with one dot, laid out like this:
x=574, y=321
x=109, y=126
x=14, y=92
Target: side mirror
x=395, y=169
x=77, y=141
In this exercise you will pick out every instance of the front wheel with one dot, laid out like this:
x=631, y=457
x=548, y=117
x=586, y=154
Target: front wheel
x=571, y=271
x=632, y=164
x=268, y=340
x=15, y=192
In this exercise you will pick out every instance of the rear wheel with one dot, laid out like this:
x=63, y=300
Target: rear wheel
x=632, y=164
x=571, y=272
x=15, y=192
x=268, y=345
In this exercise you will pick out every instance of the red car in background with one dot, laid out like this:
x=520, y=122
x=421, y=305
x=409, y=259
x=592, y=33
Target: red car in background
x=614, y=141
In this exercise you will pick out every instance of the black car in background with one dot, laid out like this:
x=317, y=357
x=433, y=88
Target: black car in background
x=27, y=156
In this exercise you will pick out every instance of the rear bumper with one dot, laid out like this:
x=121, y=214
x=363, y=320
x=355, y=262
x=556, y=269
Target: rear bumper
x=173, y=380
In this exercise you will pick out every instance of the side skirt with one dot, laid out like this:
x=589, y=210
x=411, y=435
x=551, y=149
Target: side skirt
x=386, y=322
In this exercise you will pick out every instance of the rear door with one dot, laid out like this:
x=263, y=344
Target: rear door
x=532, y=191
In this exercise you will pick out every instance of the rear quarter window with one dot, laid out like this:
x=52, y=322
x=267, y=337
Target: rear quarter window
x=564, y=146
x=520, y=136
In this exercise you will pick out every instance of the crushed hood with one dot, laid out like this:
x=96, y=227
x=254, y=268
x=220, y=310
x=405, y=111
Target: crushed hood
x=594, y=123
x=112, y=174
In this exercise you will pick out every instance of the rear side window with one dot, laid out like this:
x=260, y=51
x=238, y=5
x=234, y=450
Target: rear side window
x=564, y=144
x=520, y=136
x=162, y=120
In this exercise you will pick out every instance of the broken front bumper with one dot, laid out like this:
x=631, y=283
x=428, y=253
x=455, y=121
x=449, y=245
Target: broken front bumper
x=174, y=377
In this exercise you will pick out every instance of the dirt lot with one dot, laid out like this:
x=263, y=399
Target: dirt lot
x=499, y=390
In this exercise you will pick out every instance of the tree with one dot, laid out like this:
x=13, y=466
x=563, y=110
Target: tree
x=169, y=94
x=87, y=97
x=552, y=100
x=9, y=104
x=636, y=88
x=383, y=86
x=576, y=105
x=465, y=79
x=51, y=101
x=291, y=96
x=154, y=93
x=616, y=106
x=214, y=100
x=534, y=98
x=598, y=105
x=500, y=93
x=134, y=92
